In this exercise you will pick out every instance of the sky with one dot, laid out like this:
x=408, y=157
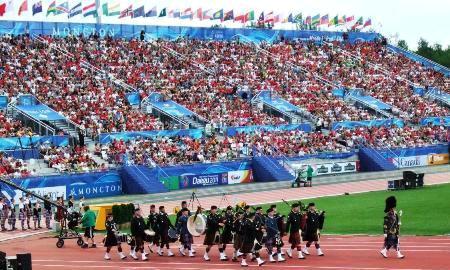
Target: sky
x=410, y=19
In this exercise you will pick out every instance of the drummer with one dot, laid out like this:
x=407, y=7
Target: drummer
x=111, y=238
x=185, y=235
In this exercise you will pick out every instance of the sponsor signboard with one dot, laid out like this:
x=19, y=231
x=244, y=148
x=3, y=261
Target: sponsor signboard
x=203, y=180
x=328, y=168
x=239, y=177
x=421, y=160
x=438, y=159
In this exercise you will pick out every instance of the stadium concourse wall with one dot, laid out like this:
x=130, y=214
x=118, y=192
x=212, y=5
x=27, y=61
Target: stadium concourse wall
x=62, y=29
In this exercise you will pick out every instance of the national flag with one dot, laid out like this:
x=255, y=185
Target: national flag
x=251, y=15
x=10, y=6
x=315, y=20
x=298, y=18
x=76, y=10
x=139, y=12
x=324, y=20
x=341, y=20
x=127, y=12
x=269, y=17
x=112, y=10
x=218, y=15
x=90, y=10
x=241, y=18
x=207, y=15
x=62, y=8
x=163, y=13
x=289, y=18
x=333, y=21
x=2, y=9
x=308, y=20
x=152, y=12
x=277, y=18
x=51, y=8
x=261, y=17
x=23, y=7
x=229, y=16
x=368, y=23
x=199, y=14
x=187, y=14
x=174, y=13
x=349, y=19
x=37, y=7
x=359, y=22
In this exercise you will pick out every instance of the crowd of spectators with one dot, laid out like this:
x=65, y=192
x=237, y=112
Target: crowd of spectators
x=183, y=150
x=70, y=159
x=12, y=167
x=12, y=128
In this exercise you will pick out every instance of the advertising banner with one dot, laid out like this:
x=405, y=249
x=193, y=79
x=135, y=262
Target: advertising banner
x=239, y=177
x=328, y=168
x=421, y=160
x=438, y=159
x=40, y=112
x=105, y=138
x=3, y=102
x=203, y=180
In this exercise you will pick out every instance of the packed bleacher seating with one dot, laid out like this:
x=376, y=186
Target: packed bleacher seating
x=69, y=159
x=13, y=167
x=12, y=128
x=180, y=150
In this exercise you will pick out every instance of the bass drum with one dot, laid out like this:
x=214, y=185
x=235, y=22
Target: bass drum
x=196, y=225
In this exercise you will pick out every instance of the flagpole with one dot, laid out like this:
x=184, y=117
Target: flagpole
x=98, y=20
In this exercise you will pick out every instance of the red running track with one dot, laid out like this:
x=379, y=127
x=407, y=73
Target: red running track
x=341, y=252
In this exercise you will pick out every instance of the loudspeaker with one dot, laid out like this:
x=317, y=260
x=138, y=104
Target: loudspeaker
x=420, y=179
x=24, y=261
x=409, y=175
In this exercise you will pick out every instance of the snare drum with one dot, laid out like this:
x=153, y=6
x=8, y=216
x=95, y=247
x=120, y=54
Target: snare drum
x=122, y=238
x=173, y=235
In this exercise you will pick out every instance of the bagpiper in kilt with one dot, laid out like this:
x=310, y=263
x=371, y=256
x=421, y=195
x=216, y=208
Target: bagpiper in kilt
x=260, y=229
x=238, y=227
x=137, y=229
x=152, y=224
x=163, y=224
x=212, y=235
x=293, y=227
x=391, y=228
x=249, y=240
x=226, y=237
x=12, y=216
x=313, y=225
x=273, y=236
x=3, y=213
x=37, y=211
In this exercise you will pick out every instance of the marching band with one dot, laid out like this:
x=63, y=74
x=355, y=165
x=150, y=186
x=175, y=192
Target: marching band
x=248, y=231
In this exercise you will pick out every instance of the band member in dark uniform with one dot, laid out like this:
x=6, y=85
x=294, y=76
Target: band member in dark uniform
x=111, y=238
x=273, y=236
x=164, y=224
x=227, y=234
x=3, y=213
x=28, y=209
x=238, y=227
x=313, y=226
x=249, y=240
x=293, y=227
x=391, y=228
x=37, y=211
x=153, y=225
x=212, y=236
x=281, y=224
x=184, y=205
x=47, y=212
x=22, y=213
x=137, y=232
x=185, y=235
x=260, y=229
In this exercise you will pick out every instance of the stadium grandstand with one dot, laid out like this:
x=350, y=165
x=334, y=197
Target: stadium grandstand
x=106, y=99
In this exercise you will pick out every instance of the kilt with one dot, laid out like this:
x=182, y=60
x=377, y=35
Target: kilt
x=156, y=239
x=210, y=239
x=247, y=247
x=294, y=238
x=111, y=240
x=391, y=240
x=12, y=218
x=186, y=239
x=226, y=237
x=270, y=242
x=164, y=237
x=22, y=215
x=311, y=236
x=237, y=241
x=29, y=213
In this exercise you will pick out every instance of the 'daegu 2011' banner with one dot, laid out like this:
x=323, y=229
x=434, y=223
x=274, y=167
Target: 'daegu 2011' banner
x=203, y=180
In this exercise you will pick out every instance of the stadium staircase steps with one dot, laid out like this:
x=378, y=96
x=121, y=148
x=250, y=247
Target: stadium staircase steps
x=63, y=125
x=141, y=180
x=268, y=169
x=371, y=160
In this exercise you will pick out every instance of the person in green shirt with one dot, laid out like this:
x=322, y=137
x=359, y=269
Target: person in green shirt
x=88, y=222
x=309, y=175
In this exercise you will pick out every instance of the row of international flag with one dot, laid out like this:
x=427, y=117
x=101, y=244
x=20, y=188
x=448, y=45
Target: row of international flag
x=89, y=8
